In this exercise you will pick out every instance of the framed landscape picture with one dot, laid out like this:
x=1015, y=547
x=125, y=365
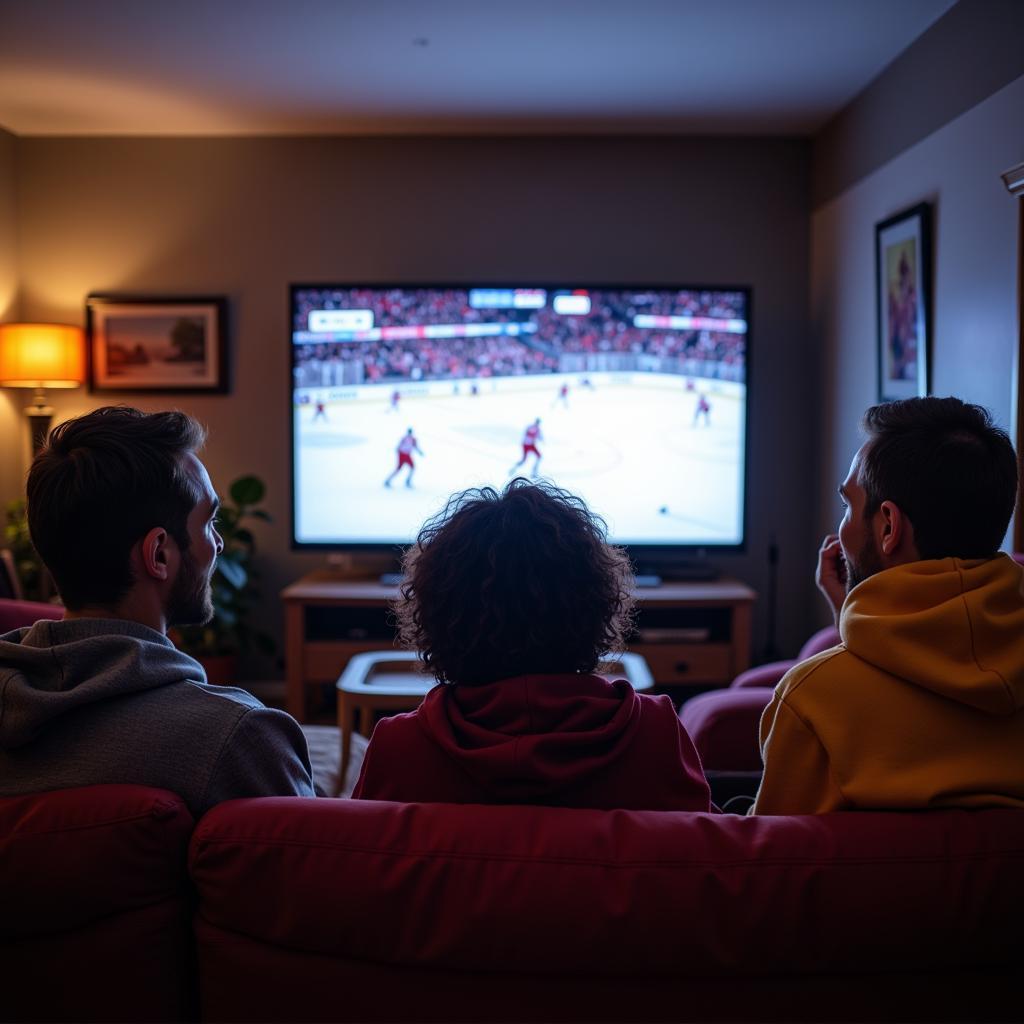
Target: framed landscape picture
x=157, y=345
x=903, y=281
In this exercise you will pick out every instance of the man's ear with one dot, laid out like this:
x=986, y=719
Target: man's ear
x=155, y=554
x=895, y=533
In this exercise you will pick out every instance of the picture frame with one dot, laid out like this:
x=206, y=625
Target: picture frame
x=903, y=284
x=157, y=345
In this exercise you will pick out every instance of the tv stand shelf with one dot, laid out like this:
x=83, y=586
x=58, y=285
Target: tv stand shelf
x=691, y=634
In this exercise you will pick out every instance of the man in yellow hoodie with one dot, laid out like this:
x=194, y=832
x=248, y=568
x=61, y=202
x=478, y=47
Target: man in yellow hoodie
x=922, y=703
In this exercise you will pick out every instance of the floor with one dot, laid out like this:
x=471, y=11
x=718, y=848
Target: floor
x=325, y=753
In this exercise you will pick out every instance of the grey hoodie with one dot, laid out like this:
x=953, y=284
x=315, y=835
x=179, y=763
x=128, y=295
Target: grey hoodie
x=89, y=701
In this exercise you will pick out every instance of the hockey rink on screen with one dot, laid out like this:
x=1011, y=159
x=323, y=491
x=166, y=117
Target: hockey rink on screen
x=631, y=446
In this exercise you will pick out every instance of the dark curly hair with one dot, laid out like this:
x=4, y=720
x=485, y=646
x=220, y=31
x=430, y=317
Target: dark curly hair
x=521, y=582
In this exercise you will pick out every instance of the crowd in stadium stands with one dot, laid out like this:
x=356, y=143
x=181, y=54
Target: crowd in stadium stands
x=602, y=340
x=370, y=362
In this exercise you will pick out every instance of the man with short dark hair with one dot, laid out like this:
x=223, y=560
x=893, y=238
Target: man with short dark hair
x=922, y=704
x=123, y=514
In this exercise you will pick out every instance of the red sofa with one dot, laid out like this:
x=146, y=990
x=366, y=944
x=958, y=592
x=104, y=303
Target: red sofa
x=364, y=911
x=378, y=911
x=96, y=906
x=15, y=614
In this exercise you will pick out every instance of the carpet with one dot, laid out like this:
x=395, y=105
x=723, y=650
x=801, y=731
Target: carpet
x=325, y=755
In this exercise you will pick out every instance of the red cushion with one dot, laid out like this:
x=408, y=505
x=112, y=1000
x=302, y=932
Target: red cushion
x=583, y=899
x=724, y=726
x=95, y=922
x=15, y=614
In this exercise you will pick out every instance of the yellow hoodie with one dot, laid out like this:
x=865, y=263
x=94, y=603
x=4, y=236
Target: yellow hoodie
x=919, y=706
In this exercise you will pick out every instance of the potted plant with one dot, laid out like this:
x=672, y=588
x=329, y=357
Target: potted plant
x=218, y=644
x=35, y=581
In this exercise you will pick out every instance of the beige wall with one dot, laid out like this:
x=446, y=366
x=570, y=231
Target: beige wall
x=975, y=279
x=244, y=217
x=12, y=432
x=967, y=55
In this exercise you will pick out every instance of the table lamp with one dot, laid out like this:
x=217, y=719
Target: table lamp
x=41, y=356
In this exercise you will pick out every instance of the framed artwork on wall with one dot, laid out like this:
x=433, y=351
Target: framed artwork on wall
x=903, y=266
x=1013, y=179
x=157, y=345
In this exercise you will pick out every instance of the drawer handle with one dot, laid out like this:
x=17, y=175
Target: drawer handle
x=682, y=666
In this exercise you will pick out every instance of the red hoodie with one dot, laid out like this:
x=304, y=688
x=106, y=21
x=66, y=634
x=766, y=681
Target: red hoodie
x=561, y=740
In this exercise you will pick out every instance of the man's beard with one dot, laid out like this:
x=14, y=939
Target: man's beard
x=190, y=603
x=867, y=563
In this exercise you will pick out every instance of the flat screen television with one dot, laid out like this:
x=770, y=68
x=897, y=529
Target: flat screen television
x=634, y=398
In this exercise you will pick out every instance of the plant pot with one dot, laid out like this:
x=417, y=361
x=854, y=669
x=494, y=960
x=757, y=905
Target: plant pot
x=221, y=669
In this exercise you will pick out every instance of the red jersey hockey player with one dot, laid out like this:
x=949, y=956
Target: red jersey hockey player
x=530, y=439
x=405, y=449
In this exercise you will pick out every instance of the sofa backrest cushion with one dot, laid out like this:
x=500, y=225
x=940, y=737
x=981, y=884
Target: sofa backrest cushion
x=822, y=640
x=15, y=614
x=622, y=892
x=96, y=905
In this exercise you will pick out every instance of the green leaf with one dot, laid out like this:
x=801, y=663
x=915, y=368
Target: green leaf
x=233, y=585
x=227, y=520
x=248, y=490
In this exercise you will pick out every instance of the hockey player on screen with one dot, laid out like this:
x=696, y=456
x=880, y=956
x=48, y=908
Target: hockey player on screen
x=405, y=449
x=562, y=396
x=703, y=409
x=321, y=411
x=396, y=397
x=530, y=439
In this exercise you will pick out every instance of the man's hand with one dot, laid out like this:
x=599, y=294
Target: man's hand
x=831, y=573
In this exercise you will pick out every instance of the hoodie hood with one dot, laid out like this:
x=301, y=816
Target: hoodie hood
x=951, y=626
x=530, y=736
x=55, y=666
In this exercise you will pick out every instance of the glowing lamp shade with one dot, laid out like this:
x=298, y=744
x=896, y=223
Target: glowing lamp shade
x=41, y=356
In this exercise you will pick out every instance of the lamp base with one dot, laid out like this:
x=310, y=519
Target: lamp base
x=39, y=419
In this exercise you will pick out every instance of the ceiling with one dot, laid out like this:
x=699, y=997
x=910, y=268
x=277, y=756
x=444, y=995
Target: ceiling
x=201, y=67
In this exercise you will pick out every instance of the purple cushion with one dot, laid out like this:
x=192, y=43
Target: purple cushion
x=724, y=726
x=771, y=674
x=763, y=675
x=820, y=641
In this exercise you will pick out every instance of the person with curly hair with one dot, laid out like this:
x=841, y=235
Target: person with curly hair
x=511, y=600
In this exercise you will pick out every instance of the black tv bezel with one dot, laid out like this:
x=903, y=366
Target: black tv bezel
x=648, y=556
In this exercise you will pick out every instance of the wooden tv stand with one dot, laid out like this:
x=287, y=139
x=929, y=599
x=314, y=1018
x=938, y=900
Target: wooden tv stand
x=691, y=634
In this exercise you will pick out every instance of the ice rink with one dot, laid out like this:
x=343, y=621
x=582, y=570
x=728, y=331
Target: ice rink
x=629, y=446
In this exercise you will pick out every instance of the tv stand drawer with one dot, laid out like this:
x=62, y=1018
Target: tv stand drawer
x=688, y=663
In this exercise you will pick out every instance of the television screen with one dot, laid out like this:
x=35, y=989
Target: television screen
x=632, y=397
